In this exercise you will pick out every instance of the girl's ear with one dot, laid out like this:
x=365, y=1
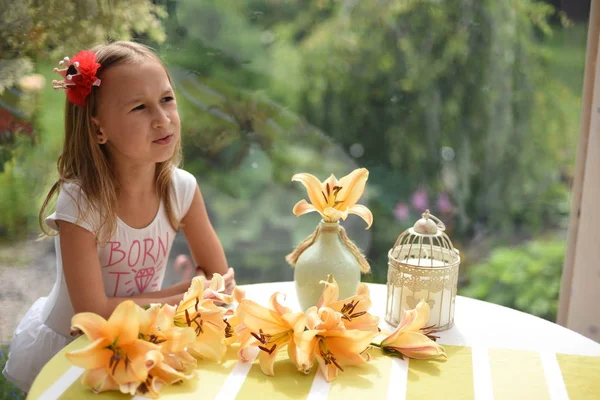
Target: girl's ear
x=100, y=136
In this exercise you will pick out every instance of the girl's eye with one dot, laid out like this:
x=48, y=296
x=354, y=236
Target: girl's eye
x=167, y=99
x=140, y=107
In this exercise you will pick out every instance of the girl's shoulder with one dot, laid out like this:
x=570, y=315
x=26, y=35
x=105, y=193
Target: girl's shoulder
x=182, y=178
x=72, y=206
x=184, y=187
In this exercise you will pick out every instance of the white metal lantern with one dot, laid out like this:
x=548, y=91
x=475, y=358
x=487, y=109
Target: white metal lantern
x=423, y=265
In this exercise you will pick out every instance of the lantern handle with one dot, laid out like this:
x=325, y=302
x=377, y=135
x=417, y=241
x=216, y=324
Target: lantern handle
x=441, y=226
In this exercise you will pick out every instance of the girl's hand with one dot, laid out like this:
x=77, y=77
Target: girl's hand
x=229, y=280
x=185, y=267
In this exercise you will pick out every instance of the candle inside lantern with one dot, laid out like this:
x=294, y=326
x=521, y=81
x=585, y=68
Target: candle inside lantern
x=440, y=302
x=423, y=265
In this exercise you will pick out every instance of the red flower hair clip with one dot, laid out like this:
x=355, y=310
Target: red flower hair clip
x=79, y=76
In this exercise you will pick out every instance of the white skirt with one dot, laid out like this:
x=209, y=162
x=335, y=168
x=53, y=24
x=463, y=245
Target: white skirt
x=33, y=344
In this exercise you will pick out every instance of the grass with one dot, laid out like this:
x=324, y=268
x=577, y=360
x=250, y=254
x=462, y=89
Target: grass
x=7, y=389
x=567, y=55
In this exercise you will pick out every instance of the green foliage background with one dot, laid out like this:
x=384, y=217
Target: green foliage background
x=270, y=88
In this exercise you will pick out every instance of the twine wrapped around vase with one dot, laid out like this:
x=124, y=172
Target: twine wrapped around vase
x=292, y=258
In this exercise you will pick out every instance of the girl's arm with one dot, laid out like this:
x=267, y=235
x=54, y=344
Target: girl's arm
x=83, y=275
x=177, y=288
x=202, y=239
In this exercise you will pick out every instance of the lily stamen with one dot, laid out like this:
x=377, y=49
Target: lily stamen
x=144, y=386
x=327, y=355
x=194, y=320
x=118, y=356
x=151, y=338
x=427, y=331
x=228, y=329
x=267, y=339
x=355, y=315
x=348, y=308
x=348, y=311
x=268, y=350
x=261, y=337
x=331, y=196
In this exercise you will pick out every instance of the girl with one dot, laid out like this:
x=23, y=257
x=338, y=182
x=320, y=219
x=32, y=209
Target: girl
x=121, y=200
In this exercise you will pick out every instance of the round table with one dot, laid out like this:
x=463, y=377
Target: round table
x=497, y=351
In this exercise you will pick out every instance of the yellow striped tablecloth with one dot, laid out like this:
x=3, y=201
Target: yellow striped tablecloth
x=493, y=352
x=468, y=373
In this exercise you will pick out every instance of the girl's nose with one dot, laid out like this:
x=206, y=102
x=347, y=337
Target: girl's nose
x=161, y=120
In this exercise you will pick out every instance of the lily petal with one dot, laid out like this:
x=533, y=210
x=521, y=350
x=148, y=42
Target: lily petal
x=292, y=350
x=178, y=339
x=181, y=361
x=313, y=188
x=331, y=292
x=348, y=346
x=142, y=357
x=99, y=380
x=362, y=212
x=94, y=356
x=238, y=294
x=129, y=388
x=415, y=319
x=312, y=318
x=330, y=319
x=93, y=325
x=217, y=283
x=327, y=188
x=415, y=345
x=194, y=292
x=331, y=214
x=124, y=322
x=277, y=306
x=353, y=186
x=256, y=317
x=267, y=360
x=362, y=304
x=210, y=343
x=329, y=371
x=423, y=312
x=303, y=207
x=306, y=343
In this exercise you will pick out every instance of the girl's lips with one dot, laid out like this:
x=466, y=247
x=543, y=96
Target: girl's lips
x=164, y=140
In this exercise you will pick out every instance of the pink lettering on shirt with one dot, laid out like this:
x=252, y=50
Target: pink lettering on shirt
x=163, y=246
x=148, y=249
x=115, y=247
x=154, y=252
x=118, y=280
x=131, y=252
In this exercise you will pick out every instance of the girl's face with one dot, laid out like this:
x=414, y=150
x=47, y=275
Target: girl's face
x=137, y=113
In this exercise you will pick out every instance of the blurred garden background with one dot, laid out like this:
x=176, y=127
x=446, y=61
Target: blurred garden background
x=469, y=108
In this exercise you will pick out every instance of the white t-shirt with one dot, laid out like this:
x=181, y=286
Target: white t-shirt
x=132, y=262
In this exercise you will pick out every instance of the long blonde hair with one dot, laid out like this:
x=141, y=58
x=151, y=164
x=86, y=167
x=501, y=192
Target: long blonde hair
x=85, y=162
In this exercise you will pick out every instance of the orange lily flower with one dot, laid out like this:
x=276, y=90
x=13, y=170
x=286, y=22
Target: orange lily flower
x=160, y=374
x=116, y=358
x=205, y=317
x=412, y=339
x=157, y=326
x=235, y=330
x=271, y=329
x=334, y=199
x=331, y=343
x=354, y=309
